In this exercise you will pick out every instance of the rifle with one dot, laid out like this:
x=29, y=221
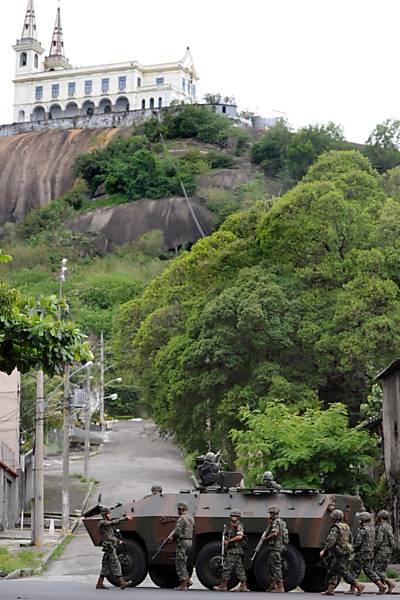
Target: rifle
x=163, y=544
x=258, y=547
x=223, y=546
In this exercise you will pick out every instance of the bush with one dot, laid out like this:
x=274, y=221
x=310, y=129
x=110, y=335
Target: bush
x=219, y=160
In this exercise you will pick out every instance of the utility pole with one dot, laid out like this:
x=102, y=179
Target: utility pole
x=65, y=462
x=38, y=517
x=102, y=381
x=87, y=422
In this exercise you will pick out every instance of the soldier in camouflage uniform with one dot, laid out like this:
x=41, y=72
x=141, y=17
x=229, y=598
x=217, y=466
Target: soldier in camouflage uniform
x=233, y=562
x=339, y=546
x=110, y=564
x=183, y=534
x=276, y=536
x=364, y=552
x=268, y=482
x=384, y=545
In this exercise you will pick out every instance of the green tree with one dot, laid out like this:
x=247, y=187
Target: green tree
x=315, y=449
x=383, y=145
x=270, y=152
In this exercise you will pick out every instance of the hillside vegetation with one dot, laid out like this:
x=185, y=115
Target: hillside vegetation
x=276, y=323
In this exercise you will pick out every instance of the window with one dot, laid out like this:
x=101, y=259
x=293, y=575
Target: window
x=160, y=81
x=55, y=90
x=39, y=92
x=151, y=102
x=160, y=103
x=121, y=83
x=23, y=59
x=71, y=89
x=105, y=85
x=36, y=61
x=183, y=84
x=88, y=87
x=194, y=90
x=139, y=82
x=143, y=104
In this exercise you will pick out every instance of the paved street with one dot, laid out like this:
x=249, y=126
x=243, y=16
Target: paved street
x=132, y=459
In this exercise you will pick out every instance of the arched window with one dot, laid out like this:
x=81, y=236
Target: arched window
x=224, y=109
x=36, y=61
x=151, y=102
x=21, y=116
x=23, y=59
x=143, y=104
x=160, y=103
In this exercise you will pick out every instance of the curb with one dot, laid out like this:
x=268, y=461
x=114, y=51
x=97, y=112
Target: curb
x=20, y=573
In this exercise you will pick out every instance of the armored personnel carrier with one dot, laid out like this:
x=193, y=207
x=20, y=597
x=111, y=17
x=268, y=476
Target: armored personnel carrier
x=306, y=511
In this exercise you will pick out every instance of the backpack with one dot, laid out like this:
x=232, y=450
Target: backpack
x=343, y=544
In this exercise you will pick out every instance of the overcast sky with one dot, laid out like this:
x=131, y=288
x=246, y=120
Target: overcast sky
x=314, y=60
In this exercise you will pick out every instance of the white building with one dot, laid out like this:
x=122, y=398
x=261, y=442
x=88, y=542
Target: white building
x=52, y=88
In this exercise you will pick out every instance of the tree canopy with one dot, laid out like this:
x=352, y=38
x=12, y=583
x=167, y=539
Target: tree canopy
x=297, y=304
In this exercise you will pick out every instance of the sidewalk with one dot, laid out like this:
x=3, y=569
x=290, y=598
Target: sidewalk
x=15, y=544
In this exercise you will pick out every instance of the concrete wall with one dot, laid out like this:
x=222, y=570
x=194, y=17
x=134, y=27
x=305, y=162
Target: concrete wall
x=99, y=121
x=126, y=119
x=9, y=412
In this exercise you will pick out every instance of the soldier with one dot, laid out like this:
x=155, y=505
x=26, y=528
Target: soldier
x=110, y=564
x=234, y=554
x=183, y=534
x=339, y=544
x=156, y=490
x=268, y=482
x=208, y=470
x=384, y=545
x=276, y=536
x=364, y=552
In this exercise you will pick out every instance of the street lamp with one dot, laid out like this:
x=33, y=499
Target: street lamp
x=117, y=380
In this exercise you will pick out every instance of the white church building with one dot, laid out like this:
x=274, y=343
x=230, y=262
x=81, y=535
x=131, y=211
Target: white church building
x=51, y=88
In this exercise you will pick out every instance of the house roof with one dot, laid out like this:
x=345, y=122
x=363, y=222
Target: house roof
x=389, y=370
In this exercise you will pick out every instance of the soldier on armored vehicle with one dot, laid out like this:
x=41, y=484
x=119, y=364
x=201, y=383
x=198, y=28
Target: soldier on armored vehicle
x=208, y=470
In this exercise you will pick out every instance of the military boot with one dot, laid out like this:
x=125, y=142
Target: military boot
x=390, y=585
x=360, y=588
x=272, y=586
x=190, y=583
x=330, y=591
x=122, y=583
x=279, y=587
x=381, y=587
x=352, y=589
x=100, y=584
x=222, y=587
x=183, y=585
x=243, y=587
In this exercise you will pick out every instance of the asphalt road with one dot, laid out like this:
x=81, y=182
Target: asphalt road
x=37, y=590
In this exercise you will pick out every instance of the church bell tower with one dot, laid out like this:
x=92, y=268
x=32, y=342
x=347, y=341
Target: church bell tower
x=28, y=49
x=56, y=59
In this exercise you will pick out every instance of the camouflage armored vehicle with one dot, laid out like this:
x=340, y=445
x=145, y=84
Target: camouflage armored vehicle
x=307, y=513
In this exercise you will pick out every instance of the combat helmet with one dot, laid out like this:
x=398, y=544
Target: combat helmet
x=268, y=475
x=273, y=510
x=156, y=488
x=364, y=516
x=235, y=512
x=383, y=514
x=182, y=505
x=210, y=456
x=104, y=510
x=337, y=515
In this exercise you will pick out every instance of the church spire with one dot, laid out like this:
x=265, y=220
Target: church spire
x=56, y=59
x=57, y=42
x=29, y=30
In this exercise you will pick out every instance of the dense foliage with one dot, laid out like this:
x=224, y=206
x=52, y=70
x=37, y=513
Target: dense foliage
x=297, y=304
x=138, y=166
x=315, y=449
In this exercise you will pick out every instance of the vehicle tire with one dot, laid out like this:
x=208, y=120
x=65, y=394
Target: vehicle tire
x=296, y=567
x=164, y=576
x=133, y=563
x=252, y=582
x=209, y=566
x=315, y=580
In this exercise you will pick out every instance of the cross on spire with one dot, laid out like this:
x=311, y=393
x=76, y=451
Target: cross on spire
x=57, y=42
x=29, y=30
